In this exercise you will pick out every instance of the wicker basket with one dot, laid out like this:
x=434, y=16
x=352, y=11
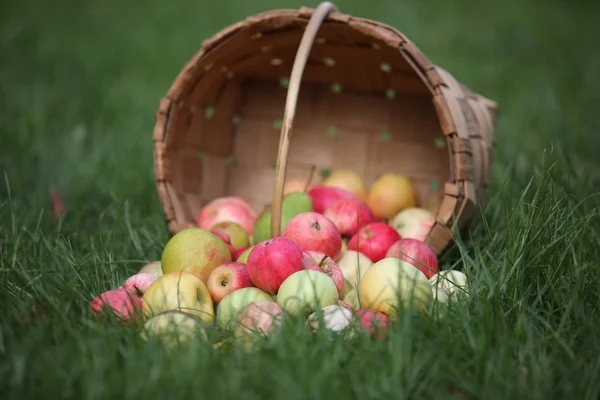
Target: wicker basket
x=358, y=94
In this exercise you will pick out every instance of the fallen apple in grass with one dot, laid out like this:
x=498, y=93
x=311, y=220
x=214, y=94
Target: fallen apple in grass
x=311, y=231
x=318, y=261
x=227, y=278
x=263, y=317
x=449, y=286
x=349, y=215
x=154, y=267
x=324, y=197
x=305, y=291
x=352, y=298
x=138, y=284
x=335, y=318
x=354, y=265
x=390, y=194
x=173, y=327
x=374, y=240
x=181, y=291
x=235, y=301
x=392, y=284
x=119, y=303
x=413, y=223
x=194, y=250
x=373, y=322
x=272, y=261
x=417, y=253
x=229, y=208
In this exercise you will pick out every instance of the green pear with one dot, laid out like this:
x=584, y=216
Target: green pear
x=293, y=204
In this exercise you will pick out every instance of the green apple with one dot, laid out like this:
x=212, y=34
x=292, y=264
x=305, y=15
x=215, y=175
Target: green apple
x=243, y=258
x=181, y=291
x=237, y=235
x=293, y=204
x=194, y=250
x=173, y=327
x=354, y=266
x=391, y=284
x=231, y=304
x=352, y=299
x=306, y=291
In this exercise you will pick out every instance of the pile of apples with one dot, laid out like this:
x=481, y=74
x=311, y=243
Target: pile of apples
x=346, y=257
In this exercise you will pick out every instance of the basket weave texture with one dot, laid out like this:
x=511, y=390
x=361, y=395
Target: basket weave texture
x=369, y=101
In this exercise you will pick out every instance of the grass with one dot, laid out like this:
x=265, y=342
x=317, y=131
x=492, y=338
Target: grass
x=80, y=83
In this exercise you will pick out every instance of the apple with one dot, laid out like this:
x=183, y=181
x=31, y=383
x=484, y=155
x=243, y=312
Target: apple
x=263, y=317
x=324, y=197
x=227, y=278
x=391, y=284
x=318, y=261
x=237, y=236
x=349, y=215
x=449, y=286
x=153, y=267
x=297, y=185
x=354, y=265
x=390, y=194
x=243, y=257
x=179, y=290
x=347, y=287
x=225, y=238
x=335, y=318
x=229, y=208
x=413, y=223
x=137, y=284
x=352, y=298
x=117, y=302
x=313, y=232
x=235, y=301
x=272, y=261
x=173, y=327
x=374, y=240
x=347, y=180
x=345, y=305
x=194, y=250
x=344, y=245
x=239, y=252
x=416, y=253
x=373, y=322
x=305, y=291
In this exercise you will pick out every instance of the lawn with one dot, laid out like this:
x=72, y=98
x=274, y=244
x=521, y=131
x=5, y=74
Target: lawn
x=80, y=83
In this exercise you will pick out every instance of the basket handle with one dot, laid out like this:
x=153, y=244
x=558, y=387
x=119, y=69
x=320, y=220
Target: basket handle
x=306, y=43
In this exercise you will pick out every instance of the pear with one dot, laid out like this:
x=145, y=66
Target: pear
x=293, y=204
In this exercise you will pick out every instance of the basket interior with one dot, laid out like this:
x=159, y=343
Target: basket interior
x=361, y=106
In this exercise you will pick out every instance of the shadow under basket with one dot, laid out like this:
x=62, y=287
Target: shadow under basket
x=368, y=100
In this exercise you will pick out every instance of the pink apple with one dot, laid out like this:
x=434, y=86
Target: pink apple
x=324, y=197
x=374, y=240
x=323, y=263
x=271, y=261
x=413, y=223
x=230, y=208
x=345, y=305
x=311, y=231
x=120, y=302
x=227, y=278
x=137, y=284
x=417, y=253
x=261, y=316
x=373, y=322
x=349, y=215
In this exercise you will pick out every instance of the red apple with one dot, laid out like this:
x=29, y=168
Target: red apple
x=417, y=253
x=137, y=284
x=373, y=322
x=324, y=197
x=349, y=215
x=271, y=261
x=313, y=232
x=227, y=278
x=120, y=302
x=374, y=240
x=225, y=238
x=230, y=208
x=323, y=263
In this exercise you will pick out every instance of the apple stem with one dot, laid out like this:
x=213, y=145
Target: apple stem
x=310, y=177
x=323, y=260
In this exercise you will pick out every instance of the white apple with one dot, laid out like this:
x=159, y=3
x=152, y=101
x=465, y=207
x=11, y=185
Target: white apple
x=173, y=327
x=449, y=286
x=179, y=290
x=413, y=223
x=335, y=318
x=305, y=291
x=154, y=267
x=231, y=304
x=354, y=266
x=391, y=284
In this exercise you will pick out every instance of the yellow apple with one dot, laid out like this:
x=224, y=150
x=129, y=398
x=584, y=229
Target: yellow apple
x=173, y=327
x=390, y=194
x=347, y=180
x=194, y=250
x=391, y=284
x=182, y=291
x=354, y=266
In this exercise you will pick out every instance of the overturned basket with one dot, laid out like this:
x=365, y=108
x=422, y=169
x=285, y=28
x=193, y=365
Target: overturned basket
x=358, y=94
